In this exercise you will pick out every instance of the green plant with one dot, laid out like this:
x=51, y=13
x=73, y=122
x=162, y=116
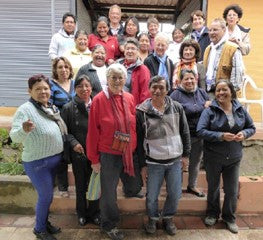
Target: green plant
x=11, y=168
x=4, y=135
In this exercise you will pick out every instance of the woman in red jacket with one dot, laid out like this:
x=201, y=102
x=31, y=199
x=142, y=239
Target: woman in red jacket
x=102, y=37
x=111, y=142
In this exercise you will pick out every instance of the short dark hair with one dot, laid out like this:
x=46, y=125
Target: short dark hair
x=55, y=64
x=79, y=80
x=185, y=71
x=236, y=8
x=180, y=29
x=198, y=13
x=135, y=21
x=157, y=79
x=98, y=46
x=144, y=34
x=37, y=78
x=68, y=14
x=80, y=32
x=190, y=43
x=230, y=85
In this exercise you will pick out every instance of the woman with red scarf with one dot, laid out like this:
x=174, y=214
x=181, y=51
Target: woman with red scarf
x=111, y=141
x=189, y=54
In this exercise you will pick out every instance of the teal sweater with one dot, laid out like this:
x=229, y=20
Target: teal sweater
x=43, y=141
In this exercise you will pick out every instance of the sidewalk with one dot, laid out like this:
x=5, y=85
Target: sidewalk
x=19, y=227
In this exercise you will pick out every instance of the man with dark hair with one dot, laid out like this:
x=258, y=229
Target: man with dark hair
x=63, y=40
x=163, y=141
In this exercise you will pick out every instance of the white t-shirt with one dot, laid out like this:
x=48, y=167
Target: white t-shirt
x=101, y=72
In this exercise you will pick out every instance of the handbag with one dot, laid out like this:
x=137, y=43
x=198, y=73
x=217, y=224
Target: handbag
x=94, y=189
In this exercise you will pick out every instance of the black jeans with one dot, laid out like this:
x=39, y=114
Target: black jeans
x=62, y=176
x=230, y=175
x=82, y=171
x=111, y=171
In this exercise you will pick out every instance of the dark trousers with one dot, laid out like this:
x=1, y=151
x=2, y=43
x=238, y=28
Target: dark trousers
x=111, y=171
x=62, y=176
x=230, y=175
x=82, y=171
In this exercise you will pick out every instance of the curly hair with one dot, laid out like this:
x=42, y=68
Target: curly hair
x=190, y=43
x=236, y=8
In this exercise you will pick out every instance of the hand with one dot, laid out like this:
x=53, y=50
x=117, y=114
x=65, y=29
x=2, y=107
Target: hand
x=228, y=137
x=96, y=167
x=239, y=137
x=111, y=61
x=78, y=148
x=28, y=126
x=234, y=40
x=144, y=175
x=185, y=164
x=207, y=104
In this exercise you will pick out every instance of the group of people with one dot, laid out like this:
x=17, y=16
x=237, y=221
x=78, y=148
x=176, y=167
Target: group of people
x=140, y=109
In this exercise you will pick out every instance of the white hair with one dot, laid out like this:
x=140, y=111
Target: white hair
x=162, y=36
x=116, y=67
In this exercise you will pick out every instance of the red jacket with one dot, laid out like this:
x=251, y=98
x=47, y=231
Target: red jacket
x=102, y=125
x=111, y=46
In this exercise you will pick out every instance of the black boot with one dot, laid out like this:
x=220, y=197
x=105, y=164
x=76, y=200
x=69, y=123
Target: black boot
x=44, y=235
x=52, y=229
x=150, y=227
x=169, y=226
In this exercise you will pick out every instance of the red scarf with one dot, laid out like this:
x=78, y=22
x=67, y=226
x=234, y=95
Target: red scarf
x=123, y=126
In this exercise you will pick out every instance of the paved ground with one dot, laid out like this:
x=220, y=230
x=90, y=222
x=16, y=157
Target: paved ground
x=19, y=227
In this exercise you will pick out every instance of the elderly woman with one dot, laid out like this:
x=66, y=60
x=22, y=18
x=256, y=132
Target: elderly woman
x=62, y=91
x=174, y=46
x=194, y=100
x=96, y=70
x=189, y=53
x=138, y=74
x=111, y=142
x=223, y=126
x=131, y=29
x=235, y=32
x=158, y=63
x=144, y=45
x=39, y=127
x=103, y=37
x=75, y=115
x=80, y=54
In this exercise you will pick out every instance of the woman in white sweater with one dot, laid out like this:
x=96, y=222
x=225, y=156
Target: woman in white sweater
x=39, y=127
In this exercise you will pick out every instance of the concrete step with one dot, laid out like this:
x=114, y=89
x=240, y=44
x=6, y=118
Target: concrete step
x=201, y=181
x=188, y=204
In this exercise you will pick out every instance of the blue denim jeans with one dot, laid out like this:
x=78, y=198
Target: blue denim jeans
x=172, y=175
x=42, y=173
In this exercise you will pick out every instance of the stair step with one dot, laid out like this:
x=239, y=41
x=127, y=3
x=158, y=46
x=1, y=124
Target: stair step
x=188, y=203
x=201, y=180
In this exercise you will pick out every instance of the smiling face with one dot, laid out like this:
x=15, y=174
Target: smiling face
x=83, y=90
x=158, y=90
x=189, y=82
x=223, y=93
x=81, y=42
x=99, y=57
x=198, y=23
x=69, y=25
x=178, y=36
x=102, y=29
x=188, y=53
x=216, y=32
x=63, y=71
x=131, y=53
x=116, y=81
x=115, y=15
x=160, y=46
x=131, y=29
x=153, y=29
x=40, y=92
x=232, y=18
x=144, y=43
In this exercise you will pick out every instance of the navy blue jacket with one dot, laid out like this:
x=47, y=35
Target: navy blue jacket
x=213, y=122
x=193, y=104
x=203, y=41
